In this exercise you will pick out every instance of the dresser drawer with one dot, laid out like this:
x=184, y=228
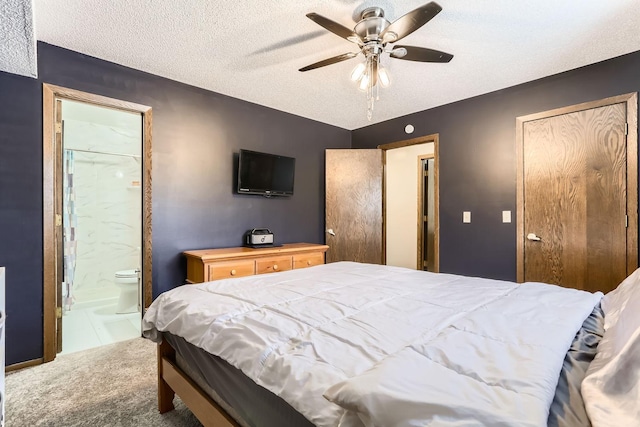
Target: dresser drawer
x=224, y=270
x=308, y=260
x=271, y=265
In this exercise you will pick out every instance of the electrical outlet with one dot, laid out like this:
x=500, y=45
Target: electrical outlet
x=506, y=216
x=466, y=217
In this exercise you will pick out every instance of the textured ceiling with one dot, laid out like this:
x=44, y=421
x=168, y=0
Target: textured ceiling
x=252, y=50
x=17, y=40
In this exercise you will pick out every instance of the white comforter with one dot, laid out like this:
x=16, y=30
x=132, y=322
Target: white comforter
x=492, y=347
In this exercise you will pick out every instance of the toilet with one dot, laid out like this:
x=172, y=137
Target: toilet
x=127, y=281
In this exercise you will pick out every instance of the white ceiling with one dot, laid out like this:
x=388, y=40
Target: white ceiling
x=17, y=41
x=252, y=50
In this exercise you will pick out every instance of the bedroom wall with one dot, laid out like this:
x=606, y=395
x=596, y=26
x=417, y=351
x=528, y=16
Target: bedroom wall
x=196, y=134
x=477, y=158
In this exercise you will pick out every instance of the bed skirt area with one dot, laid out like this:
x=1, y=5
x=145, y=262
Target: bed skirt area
x=567, y=408
x=234, y=394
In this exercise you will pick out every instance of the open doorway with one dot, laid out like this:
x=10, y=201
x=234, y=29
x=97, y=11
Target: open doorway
x=411, y=195
x=97, y=219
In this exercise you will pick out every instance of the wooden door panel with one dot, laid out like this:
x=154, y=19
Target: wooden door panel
x=607, y=184
x=550, y=173
x=575, y=198
x=354, y=205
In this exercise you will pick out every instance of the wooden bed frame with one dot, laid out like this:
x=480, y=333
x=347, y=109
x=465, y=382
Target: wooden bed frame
x=172, y=380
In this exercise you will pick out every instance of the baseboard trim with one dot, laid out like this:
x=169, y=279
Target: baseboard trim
x=22, y=365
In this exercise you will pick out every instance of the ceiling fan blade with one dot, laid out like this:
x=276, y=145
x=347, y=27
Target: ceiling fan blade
x=410, y=22
x=420, y=54
x=329, y=61
x=334, y=27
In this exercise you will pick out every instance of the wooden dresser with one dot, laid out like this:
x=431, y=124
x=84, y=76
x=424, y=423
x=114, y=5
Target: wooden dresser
x=213, y=264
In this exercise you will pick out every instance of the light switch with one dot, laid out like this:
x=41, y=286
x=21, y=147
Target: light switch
x=466, y=217
x=506, y=216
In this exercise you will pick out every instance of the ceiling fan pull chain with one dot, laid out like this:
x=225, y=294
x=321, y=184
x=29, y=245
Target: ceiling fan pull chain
x=370, y=98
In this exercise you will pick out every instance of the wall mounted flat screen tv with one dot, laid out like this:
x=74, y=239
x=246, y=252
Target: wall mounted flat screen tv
x=265, y=174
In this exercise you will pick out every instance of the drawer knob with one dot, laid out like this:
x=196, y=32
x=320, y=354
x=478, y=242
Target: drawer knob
x=275, y=266
x=308, y=262
x=233, y=272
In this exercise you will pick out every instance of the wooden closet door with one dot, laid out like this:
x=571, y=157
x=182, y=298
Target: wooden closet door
x=575, y=198
x=353, y=208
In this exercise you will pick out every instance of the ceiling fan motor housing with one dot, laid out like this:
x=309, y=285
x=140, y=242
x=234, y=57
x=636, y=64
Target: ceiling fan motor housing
x=371, y=24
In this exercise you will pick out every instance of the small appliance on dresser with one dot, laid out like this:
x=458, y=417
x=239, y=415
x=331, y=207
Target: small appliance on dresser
x=259, y=238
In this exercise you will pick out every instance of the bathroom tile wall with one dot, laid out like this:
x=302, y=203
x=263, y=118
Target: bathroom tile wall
x=108, y=205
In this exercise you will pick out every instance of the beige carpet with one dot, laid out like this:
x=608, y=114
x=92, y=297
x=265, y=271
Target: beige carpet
x=114, y=385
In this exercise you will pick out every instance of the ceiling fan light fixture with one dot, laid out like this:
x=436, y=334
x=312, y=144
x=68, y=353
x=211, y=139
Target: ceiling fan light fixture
x=364, y=83
x=383, y=76
x=358, y=72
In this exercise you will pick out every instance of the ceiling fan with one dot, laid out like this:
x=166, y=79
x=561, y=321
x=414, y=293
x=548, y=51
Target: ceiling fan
x=372, y=34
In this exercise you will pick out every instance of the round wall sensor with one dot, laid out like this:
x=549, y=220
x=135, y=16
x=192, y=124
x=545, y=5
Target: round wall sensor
x=409, y=129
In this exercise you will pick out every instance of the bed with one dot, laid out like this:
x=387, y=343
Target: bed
x=357, y=345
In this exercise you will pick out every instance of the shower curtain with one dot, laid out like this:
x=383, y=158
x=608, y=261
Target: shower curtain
x=70, y=222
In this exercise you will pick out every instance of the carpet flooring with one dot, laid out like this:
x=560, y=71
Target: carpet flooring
x=114, y=385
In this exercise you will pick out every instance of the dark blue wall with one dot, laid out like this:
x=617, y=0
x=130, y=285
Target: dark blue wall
x=196, y=134
x=21, y=214
x=477, y=158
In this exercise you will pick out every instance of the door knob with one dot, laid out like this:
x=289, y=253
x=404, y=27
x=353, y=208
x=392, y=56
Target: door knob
x=532, y=236
x=330, y=231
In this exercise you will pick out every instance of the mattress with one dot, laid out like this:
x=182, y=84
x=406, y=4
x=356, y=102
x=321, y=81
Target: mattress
x=254, y=406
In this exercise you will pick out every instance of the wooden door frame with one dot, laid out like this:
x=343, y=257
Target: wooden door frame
x=631, y=101
x=433, y=138
x=50, y=176
x=421, y=212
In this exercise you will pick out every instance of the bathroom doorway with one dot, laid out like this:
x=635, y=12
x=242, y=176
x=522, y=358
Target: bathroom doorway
x=412, y=196
x=97, y=222
x=101, y=222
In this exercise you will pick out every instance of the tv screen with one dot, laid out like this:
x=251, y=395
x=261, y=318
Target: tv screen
x=266, y=174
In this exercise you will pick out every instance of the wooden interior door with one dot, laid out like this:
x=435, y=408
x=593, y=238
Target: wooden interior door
x=353, y=210
x=576, y=202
